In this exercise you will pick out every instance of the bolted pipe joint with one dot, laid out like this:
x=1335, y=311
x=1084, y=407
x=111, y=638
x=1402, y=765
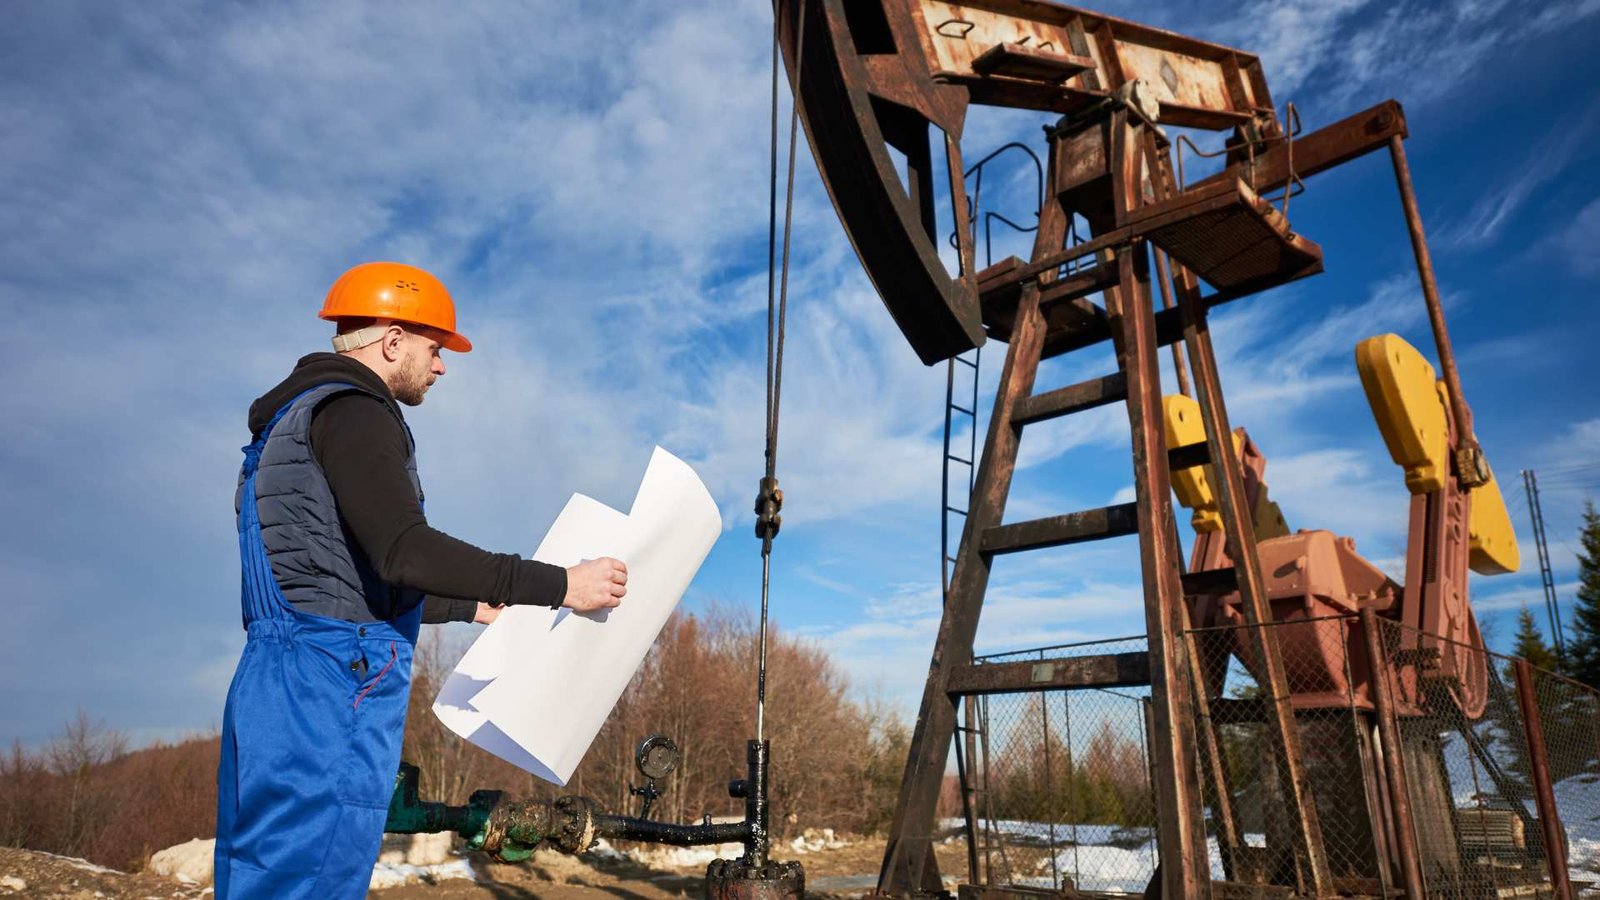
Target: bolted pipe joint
x=515, y=830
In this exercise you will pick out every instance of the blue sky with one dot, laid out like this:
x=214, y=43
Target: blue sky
x=183, y=180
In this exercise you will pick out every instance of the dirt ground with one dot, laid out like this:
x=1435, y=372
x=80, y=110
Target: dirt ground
x=25, y=873
x=843, y=872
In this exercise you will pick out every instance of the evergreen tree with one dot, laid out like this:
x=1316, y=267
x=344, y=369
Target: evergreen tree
x=1530, y=644
x=1585, y=645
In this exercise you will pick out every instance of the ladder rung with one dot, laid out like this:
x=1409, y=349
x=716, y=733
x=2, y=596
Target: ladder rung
x=961, y=409
x=1188, y=455
x=964, y=361
x=1070, y=399
x=1072, y=528
x=954, y=458
x=1210, y=581
x=959, y=512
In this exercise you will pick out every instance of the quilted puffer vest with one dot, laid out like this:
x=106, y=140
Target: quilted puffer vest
x=318, y=565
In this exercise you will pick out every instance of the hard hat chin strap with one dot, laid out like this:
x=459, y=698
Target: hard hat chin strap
x=361, y=337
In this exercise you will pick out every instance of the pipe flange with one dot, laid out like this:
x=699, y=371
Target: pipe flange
x=573, y=821
x=737, y=879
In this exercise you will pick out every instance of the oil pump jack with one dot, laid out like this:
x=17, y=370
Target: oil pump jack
x=871, y=76
x=875, y=76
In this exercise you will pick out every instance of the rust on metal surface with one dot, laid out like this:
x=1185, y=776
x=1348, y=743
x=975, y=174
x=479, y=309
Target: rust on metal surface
x=728, y=879
x=1242, y=242
x=1240, y=541
x=1403, y=827
x=1555, y=838
x=1055, y=531
x=1471, y=468
x=1105, y=671
x=1181, y=840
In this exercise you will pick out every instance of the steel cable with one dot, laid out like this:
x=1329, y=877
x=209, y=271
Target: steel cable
x=777, y=313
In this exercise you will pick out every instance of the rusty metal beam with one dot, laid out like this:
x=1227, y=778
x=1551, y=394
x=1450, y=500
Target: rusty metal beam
x=1073, y=398
x=1056, y=531
x=1333, y=145
x=1544, y=798
x=1213, y=760
x=1103, y=671
x=1472, y=474
x=1405, y=829
x=1184, y=868
x=1180, y=839
x=1240, y=539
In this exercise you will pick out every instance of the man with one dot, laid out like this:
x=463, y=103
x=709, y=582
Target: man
x=340, y=568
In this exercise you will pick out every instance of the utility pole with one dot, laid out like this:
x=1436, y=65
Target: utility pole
x=1530, y=485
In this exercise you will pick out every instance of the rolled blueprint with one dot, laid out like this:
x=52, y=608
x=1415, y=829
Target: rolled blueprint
x=537, y=685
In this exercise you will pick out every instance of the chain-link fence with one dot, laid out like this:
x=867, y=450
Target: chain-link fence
x=1569, y=719
x=1057, y=784
x=1257, y=824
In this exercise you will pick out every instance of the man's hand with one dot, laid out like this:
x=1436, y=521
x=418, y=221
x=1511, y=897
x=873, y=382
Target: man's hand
x=596, y=584
x=486, y=614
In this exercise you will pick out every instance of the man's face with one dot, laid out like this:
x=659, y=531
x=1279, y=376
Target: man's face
x=418, y=368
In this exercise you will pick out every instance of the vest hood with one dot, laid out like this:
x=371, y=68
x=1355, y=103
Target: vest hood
x=310, y=371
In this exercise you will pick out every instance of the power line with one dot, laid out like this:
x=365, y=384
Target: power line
x=1573, y=467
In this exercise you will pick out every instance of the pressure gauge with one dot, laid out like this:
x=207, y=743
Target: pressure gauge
x=657, y=756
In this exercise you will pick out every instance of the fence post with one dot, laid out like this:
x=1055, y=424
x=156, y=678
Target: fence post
x=1394, y=763
x=1555, y=845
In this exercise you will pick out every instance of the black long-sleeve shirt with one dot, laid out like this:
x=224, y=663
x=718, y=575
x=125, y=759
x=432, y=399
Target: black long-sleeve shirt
x=362, y=448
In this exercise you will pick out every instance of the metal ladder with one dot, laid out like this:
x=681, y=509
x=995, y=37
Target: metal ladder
x=969, y=361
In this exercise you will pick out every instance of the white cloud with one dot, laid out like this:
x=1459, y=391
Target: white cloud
x=1578, y=239
x=1519, y=597
x=887, y=651
x=1544, y=163
x=1294, y=39
x=1336, y=55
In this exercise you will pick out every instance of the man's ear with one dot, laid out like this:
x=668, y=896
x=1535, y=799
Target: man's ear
x=392, y=339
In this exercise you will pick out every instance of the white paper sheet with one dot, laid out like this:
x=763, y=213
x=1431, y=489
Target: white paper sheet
x=537, y=685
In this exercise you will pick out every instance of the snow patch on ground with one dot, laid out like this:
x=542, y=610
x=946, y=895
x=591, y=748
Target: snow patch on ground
x=1108, y=858
x=663, y=857
x=814, y=840
x=1578, y=798
x=78, y=863
x=391, y=874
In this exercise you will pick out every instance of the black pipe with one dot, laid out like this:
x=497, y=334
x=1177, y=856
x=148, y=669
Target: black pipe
x=756, y=813
x=630, y=829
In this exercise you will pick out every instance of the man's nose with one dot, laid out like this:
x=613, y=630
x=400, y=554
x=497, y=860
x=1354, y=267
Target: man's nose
x=438, y=366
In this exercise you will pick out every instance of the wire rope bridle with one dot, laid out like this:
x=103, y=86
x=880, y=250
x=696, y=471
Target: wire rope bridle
x=769, y=498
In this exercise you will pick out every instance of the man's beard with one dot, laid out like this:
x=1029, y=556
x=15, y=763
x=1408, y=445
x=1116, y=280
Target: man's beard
x=412, y=381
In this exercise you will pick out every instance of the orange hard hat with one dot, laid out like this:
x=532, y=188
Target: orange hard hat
x=391, y=290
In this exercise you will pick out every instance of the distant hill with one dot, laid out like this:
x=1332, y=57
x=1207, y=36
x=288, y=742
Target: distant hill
x=83, y=796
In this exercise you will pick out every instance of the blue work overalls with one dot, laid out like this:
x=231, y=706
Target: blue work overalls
x=310, y=735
